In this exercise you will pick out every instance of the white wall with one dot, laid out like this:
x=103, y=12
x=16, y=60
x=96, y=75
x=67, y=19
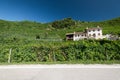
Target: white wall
x=80, y=37
x=96, y=32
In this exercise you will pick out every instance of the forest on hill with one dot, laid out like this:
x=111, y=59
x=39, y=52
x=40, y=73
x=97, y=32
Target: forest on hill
x=45, y=42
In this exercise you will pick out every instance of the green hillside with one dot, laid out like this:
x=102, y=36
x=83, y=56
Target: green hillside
x=45, y=42
x=30, y=30
x=24, y=30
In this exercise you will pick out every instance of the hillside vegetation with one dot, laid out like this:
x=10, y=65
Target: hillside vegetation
x=45, y=42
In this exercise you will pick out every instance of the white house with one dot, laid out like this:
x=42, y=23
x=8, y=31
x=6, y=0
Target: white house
x=95, y=33
x=89, y=33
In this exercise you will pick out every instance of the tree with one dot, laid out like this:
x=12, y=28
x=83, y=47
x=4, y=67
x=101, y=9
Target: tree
x=65, y=23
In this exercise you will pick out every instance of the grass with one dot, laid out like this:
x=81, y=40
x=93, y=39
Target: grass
x=24, y=33
x=64, y=62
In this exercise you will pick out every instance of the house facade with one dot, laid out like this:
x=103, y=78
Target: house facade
x=89, y=33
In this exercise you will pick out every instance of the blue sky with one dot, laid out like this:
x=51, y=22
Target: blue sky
x=50, y=10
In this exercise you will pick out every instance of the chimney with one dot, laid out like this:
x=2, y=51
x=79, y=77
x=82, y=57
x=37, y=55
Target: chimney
x=86, y=27
x=74, y=32
x=98, y=26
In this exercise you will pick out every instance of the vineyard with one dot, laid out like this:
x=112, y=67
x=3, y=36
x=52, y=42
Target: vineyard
x=93, y=50
x=37, y=42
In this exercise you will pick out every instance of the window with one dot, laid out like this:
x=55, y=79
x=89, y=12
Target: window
x=98, y=34
x=93, y=30
x=90, y=35
x=98, y=29
x=94, y=35
x=89, y=31
x=75, y=35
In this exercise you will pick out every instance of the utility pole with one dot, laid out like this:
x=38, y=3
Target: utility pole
x=9, y=55
x=54, y=57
